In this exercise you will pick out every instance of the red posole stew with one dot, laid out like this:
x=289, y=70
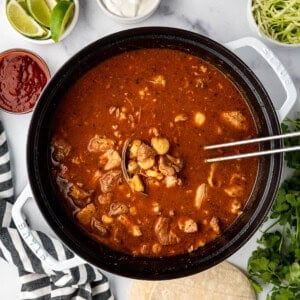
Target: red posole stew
x=128, y=157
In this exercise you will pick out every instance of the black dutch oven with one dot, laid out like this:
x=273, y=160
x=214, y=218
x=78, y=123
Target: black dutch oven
x=49, y=200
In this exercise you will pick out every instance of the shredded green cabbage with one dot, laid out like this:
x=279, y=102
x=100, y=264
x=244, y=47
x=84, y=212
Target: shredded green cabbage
x=278, y=19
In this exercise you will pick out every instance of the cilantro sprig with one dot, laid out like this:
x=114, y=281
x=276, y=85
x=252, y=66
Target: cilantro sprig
x=276, y=260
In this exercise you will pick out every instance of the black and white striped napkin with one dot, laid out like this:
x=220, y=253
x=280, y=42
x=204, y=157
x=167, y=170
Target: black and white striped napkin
x=38, y=281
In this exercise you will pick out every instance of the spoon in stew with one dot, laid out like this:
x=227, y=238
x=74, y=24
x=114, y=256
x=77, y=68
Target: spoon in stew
x=252, y=154
x=123, y=157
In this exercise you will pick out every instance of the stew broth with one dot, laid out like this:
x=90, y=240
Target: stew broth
x=160, y=107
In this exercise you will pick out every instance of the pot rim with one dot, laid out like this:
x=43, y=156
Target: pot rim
x=141, y=267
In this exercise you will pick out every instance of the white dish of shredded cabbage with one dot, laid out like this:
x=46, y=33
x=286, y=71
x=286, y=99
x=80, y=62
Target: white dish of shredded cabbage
x=279, y=20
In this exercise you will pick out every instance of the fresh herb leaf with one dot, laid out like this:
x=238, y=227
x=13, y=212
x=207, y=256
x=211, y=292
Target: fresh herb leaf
x=276, y=261
x=283, y=294
x=292, y=158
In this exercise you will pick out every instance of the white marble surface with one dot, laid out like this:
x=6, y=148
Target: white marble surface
x=221, y=20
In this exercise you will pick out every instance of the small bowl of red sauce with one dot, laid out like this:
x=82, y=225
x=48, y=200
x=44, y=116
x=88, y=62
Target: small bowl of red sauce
x=23, y=76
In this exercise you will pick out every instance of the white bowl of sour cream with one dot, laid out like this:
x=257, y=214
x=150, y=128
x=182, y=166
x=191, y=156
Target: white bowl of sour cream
x=128, y=11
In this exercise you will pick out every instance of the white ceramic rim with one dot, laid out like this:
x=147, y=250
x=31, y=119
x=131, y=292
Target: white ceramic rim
x=128, y=20
x=49, y=41
x=260, y=33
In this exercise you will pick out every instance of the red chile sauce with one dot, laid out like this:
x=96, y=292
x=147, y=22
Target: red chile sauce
x=22, y=79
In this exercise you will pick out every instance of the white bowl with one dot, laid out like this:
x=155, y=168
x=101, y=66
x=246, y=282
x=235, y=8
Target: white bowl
x=50, y=41
x=255, y=28
x=130, y=20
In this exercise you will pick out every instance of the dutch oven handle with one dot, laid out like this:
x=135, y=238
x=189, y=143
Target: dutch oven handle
x=279, y=69
x=33, y=243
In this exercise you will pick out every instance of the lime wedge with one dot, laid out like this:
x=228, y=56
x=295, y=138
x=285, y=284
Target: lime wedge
x=40, y=11
x=22, y=22
x=47, y=35
x=61, y=15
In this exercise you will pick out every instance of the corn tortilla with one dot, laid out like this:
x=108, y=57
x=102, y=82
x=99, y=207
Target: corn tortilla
x=223, y=281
